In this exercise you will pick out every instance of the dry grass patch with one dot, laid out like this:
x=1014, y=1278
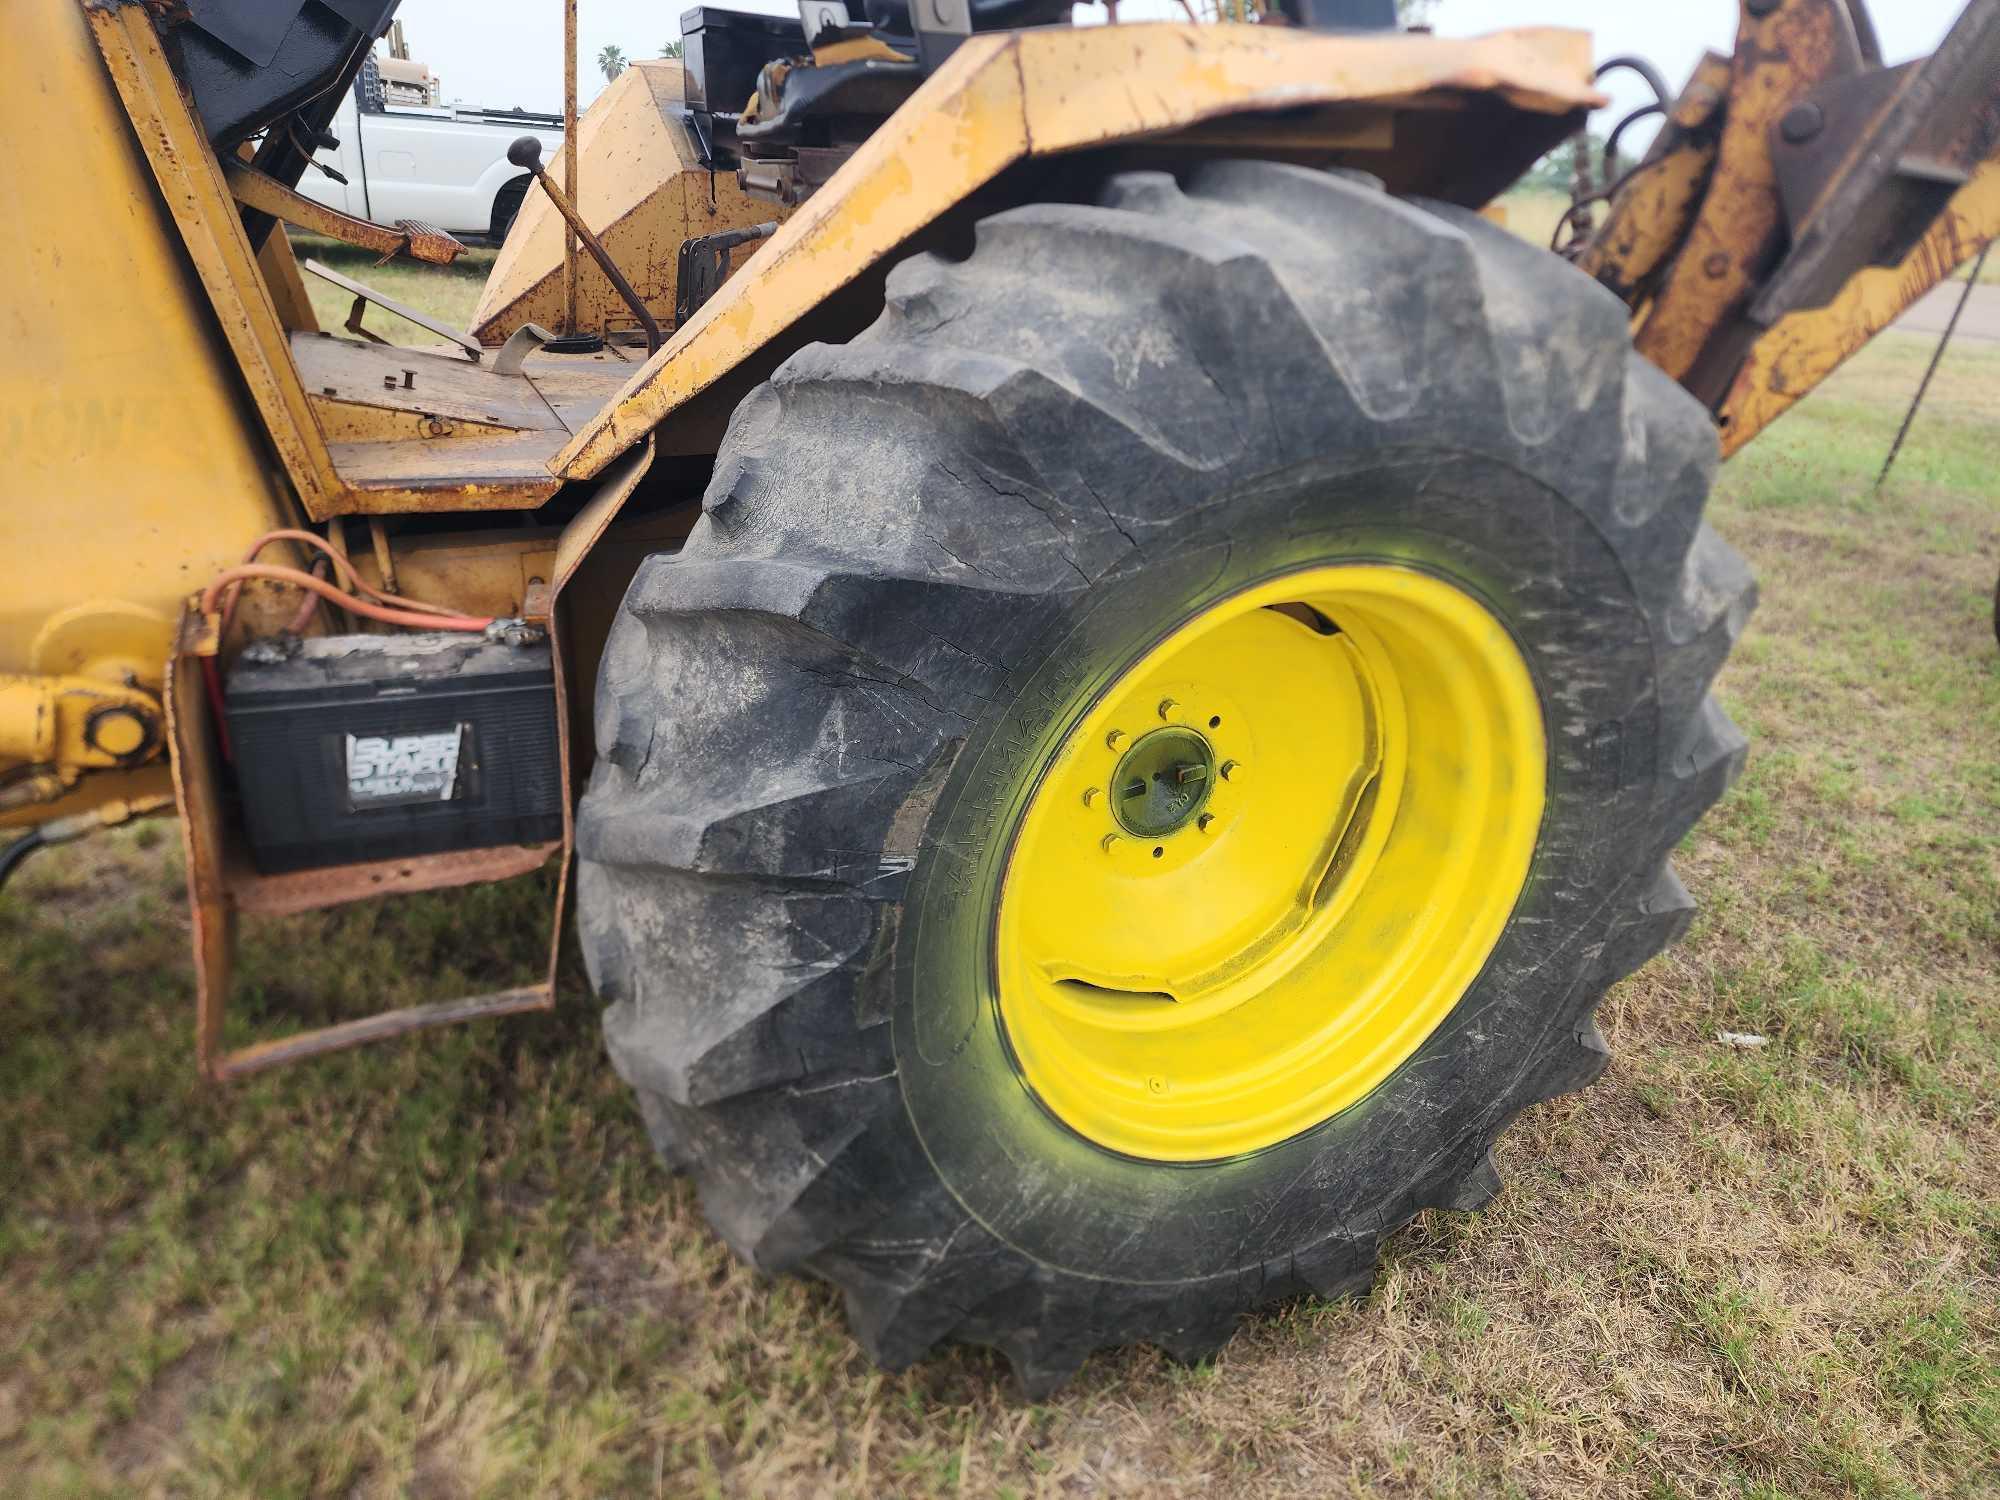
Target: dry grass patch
x=449, y=1266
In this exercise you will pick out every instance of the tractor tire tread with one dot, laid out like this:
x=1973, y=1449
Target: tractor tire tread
x=891, y=525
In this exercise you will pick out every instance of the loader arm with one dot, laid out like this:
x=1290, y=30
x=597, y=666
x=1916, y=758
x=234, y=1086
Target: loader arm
x=1801, y=197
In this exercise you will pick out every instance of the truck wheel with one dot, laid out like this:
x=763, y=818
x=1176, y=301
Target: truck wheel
x=1152, y=756
x=506, y=204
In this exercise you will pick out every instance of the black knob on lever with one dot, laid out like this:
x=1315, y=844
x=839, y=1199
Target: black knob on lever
x=526, y=153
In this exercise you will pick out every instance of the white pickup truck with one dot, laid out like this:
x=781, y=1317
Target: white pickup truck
x=445, y=165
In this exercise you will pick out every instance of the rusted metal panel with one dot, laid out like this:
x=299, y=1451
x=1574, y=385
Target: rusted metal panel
x=359, y=422
x=1866, y=164
x=1003, y=97
x=380, y=1028
x=578, y=387
x=1650, y=216
x=1806, y=347
x=409, y=380
x=198, y=796
x=570, y=267
x=482, y=572
x=645, y=194
x=411, y=237
x=363, y=477
x=457, y=474
x=628, y=132
x=1828, y=162
x=339, y=885
x=589, y=525
x=1782, y=52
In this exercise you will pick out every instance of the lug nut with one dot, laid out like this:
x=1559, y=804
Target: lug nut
x=1232, y=770
x=1108, y=842
x=1117, y=739
x=1090, y=796
x=1169, y=709
x=1205, y=822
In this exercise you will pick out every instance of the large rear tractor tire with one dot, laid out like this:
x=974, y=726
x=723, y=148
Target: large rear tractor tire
x=1152, y=757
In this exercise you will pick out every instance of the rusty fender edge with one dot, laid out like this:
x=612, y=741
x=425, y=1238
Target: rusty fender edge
x=1008, y=96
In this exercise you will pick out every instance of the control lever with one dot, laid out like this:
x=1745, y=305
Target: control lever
x=526, y=153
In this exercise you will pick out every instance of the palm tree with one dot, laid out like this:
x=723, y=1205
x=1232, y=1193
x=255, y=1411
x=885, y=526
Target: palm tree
x=672, y=49
x=611, y=61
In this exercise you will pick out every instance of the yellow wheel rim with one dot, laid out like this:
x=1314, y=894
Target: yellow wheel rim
x=1269, y=861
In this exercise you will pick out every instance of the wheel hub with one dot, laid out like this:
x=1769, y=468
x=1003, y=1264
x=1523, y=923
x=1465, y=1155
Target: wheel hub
x=1268, y=860
x=1162, y=783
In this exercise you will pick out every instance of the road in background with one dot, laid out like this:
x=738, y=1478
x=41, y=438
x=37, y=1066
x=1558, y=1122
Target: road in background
x=1982, y=313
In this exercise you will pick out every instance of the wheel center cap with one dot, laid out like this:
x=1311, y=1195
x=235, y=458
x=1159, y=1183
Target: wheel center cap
x=1162, y=782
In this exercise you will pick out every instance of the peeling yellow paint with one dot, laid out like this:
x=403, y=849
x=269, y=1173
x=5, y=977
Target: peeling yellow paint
x=1003, y=97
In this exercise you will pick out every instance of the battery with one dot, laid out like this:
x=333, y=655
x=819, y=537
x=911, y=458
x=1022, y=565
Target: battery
x=365, y=747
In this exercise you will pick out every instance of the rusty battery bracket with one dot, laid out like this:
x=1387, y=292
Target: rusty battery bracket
x=222, y=885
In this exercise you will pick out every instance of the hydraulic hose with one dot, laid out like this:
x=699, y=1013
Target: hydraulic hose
x=78, y=825
x=20, y=849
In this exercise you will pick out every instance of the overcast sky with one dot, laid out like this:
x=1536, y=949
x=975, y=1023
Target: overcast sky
x=509, y=52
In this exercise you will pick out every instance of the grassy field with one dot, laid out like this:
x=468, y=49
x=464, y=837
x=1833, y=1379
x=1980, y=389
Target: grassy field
x=448, y=293
x=450, y=1267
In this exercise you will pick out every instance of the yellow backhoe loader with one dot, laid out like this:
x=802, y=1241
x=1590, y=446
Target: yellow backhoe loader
x=1117, y=665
